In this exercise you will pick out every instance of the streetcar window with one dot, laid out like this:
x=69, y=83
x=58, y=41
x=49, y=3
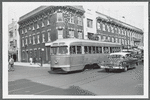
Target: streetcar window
x=90, y=50
x=72, y=50
x=79, y=51
x=100, y=49
x=97, y=50
x=93, y=50
x=63, y=50
x=106, y=50
x=59, y=50
x=86, y=49
x=111, y=49
x=53, y=50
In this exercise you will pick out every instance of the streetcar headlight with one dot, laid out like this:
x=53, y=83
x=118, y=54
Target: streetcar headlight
x=56, y=61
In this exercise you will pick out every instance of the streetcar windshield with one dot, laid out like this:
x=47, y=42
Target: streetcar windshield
x=59, y=50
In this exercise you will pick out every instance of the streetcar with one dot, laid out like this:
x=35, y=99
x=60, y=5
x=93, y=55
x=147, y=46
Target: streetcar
x=76, y=54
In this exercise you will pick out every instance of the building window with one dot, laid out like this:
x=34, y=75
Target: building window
x=10, y=34
x=115, y=28
x=104, y=27
x=33, y=39
x=80, y=35
x=71, y=33
x=99, y=37
x=104, y=38
x=71, y=19
x=108, y=38
x=25, y=30
x=22, y=43
x=49, y=36
x=112, y=29
x=108, y=28
x=30, y=39
x=26, y=41
x=43, y=24
x=112, y=39
x=89, y=23
x=118, y=30
x=125, y=32
x=33, y=28
x=48, y=22
x=60, y=34
x=122, y=41
x=38, y=38
x=79, y=21
x=59, y=17
x=37, y=26
x=116, y=40
x=43, y=38
x=22, y=32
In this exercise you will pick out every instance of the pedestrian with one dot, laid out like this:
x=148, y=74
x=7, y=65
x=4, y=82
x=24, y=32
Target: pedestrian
x=11, y=64
x=34, y=60
x=31, y=60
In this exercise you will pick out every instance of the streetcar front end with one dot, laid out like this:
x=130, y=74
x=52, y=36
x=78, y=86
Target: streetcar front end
x=60, y=59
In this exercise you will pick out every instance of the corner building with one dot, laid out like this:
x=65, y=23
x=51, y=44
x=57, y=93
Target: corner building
x=47, y=24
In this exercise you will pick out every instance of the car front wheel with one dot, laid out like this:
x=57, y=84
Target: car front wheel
x=125, y=69
x=107, y=70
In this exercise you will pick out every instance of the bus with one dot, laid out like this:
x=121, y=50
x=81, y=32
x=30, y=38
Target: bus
x=76, y=54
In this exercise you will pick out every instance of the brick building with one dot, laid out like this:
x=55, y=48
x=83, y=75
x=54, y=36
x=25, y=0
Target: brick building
x=47, y=24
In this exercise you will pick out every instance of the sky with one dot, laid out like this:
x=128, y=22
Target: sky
x=133, y=12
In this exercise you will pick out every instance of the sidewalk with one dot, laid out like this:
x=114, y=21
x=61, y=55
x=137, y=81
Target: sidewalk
x=27, y=64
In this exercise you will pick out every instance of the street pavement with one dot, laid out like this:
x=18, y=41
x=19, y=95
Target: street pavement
x=96, y=82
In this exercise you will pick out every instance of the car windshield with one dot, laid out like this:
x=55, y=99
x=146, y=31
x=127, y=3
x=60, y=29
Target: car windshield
x=59, y=50
x=116, y=56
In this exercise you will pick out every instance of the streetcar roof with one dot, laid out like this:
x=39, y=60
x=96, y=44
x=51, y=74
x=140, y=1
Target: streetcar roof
x=74, y=41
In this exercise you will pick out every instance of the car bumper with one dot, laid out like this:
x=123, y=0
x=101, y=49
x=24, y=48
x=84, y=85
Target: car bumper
x=112, y=67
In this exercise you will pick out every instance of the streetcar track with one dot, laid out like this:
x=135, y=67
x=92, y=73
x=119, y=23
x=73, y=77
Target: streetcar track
x=93, y=73
x=84, y=72
x=72, y=83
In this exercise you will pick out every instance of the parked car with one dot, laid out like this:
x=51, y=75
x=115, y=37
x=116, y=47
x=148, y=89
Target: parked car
x=119, y=60
x=135, y=53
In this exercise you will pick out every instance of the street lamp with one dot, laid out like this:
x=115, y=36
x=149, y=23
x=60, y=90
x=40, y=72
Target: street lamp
x=41, y=56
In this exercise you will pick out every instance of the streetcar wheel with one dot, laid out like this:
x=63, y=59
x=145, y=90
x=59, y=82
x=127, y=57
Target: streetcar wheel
x=125, y=69
x=107, y=70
